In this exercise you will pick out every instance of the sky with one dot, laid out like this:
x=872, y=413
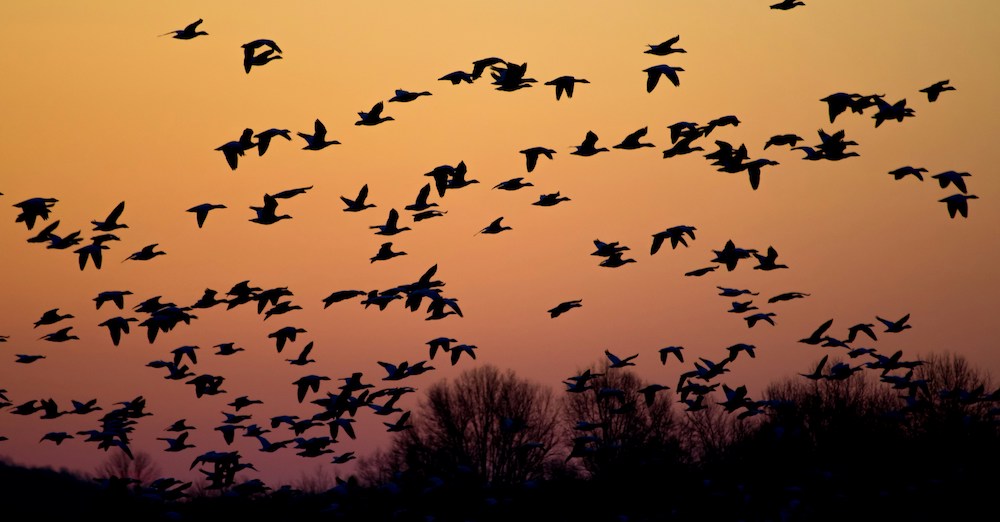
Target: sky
x=99, y=109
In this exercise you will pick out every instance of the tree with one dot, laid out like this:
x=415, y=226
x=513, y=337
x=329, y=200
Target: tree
x=142, y=468
x=487, y=423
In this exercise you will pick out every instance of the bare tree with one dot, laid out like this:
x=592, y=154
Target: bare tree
x=487, y=422
x=142, y=468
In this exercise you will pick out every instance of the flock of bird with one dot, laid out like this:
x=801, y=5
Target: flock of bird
x=334, y=410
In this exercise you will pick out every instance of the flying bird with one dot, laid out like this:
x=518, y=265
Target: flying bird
x=358, y=204
x=548, y=200
x=617, y=362
x=895, y=326
x=902, y=172
x=785, y=5
x=148, y=252
x=264, y=138
x=653, y=75
x=531, y=155
x=958, y=204
x=589, y=146
x=233, y=150
x=565, y=84
x=495, y=227
x=374, y=116
x=951, y=177
x=665, y=48
x=317, y=140
x=631, y=142
x=189, y=32
x=201, y=211
x=390, y=228
x=404, y=96
x=936, y=89
x=564, y=307
x=110, y=223
x=385, y=253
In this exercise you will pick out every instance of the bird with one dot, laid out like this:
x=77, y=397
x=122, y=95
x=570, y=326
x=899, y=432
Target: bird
x=731, y=254
x=283, y=335
x=110, y=223
x=951, y=177
x=616, y=260
x=180, y=425
x=308, y=382
x=252, y=58
x=374, y=116
x=531, y=155
x=27, y=359
x=458, y=350
x=457, y=77
x=56, y=436
x=358, y=204
x=958, y=204
x=201, y=211
x=189, y=32
x=404, y=96
x=564, y=307
x=767, y=262
x=385, y=253
x=701, y=271
x=753, y=319
x=665, y=48
x=936, y=89
x=902, y=172
x=148, y=252
x=303, y=357
x=34, y=208
x=513, y=184
x=896, y=111
x=817, y=374
x=266, y=214
x=116, y=326
x=115, y=296
x=865, y=328
x=317, y=140
x=342, y=295
x=60, y=336
x=281, y=308
x=178, y=444
x=291, y=193
x=665, y=352
x=390, y=228
x=480, y=66
x=739, y=307
x=565, y=84
x=676, y=236
x=589, y=146
x=421, y=204
x=618, y=362
x=895, y=326
x=242, y=402
x=227, y=349
x=783, y=139
x=510, y=77
x=787, y=296
x=653, y=75
x=631, y=142
x=442, y=343
x=734, y=292
x=400, y=424
x=495, y=227
x=785, y=5
x=232, y=150
x=741, y=347
x=548, y=200
x=817, y=336
x=264, y=138
x=51, y=317
x=427, y=214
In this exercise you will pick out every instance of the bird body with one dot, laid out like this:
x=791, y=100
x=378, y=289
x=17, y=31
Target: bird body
x=189, y=32
x=564, y=307
x=653, y=75
x=665, y=48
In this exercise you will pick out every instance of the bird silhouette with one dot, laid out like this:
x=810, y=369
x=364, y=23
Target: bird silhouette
x=701, y=271
x=531, y=155
x=653, y=75
x=480, y=66
x=817, y=374
x=951, y=177
x=676, y=236
x=60, y=336
x=27, y=359
x=283, y=335
x=34, y=208
x=51, y=317
x=958, y=204
x=201, y=211
x=510, y=76
x=665, y=48
x=427, y=214
x=459, y=349
x=755, y=318
x=252, y=58
x=303, y=357
x=817, y=336
x=266, y=214
x=390, y=228
x=895, y=326
x=442, y=343
x=264, y=138
x=227, y=349
x=589, y=146
x=404, y=96
x=513, y=184
x=457, y=77
x=147, y=253
x=110, y=224
x=785, y=5
x=306, y=383
x=385, y=253
x=618, y=362
x=233, y=150
x=896, y=111
x=177, y=444
x=631, y=142
x=317, y=140
x=374, y=116
x=495, y=227
x=865, y=328
x=189, y=32
x=421, y=204
x=616, y=260
x=935, y=90
x=731, y=254
x=739, y=307
x=115, y=296
x=548, y=200
x=358, y=204
x=116, y=326
x=768, y=262
x=564, y=307
x=783, y=139
x=564, y=84
x=665, y=352
x=902, y=172
x=787, y=296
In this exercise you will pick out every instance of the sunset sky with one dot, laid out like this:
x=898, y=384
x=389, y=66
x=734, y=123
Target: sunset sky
x=99, y=109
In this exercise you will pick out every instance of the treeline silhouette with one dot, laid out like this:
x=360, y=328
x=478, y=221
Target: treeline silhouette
x=490, y=445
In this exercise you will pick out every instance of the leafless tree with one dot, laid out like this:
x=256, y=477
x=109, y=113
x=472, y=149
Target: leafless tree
x=142, y=468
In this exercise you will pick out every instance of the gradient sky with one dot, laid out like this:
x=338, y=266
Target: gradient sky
x=98, y=109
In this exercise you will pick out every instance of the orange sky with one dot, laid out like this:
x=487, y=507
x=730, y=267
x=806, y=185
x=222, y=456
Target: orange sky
x=98, y=109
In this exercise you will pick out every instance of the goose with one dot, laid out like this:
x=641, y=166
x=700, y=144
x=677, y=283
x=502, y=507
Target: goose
x=116, y=326
x=421, y=203
x=281, y=308
x=531, y=155
x=839, y=102
x=548, y=200
x=232, y=150
x=936, y=89
x=735, y=349
x=62, y=243
x=701, y=271
x=896, y=111
x=306, y=383
x=495, y=227
x=400, y=424
x=902, y=172
x=27, y=359
x=442, y=343
x=785, y=5
x=631, y=142
x=649, y=392
x=185, y=351
x=676, y=236
x=616, y=260
x=115, y=296
x=865, y=328
x=390, y=227
x=303, y=357
x=56, y=436
x=951, y=177
x=45, y=234
x=787, y=296
x=342, y=295
x=178, y=444
x=783, y=139
x=34, y=208
x=895, y=326
x=513, y=184
x=266, y=214
x=291, y=193
x=958, y=204
x=589, y=146
x=734, y=292
x=739, y=307
x=404, y=96
x=607, y=249
x=51, y=317
x=148, y=252
x=817, y=374
x=480, y=66
x=374, y=116
x=427, y=214
x=201, y=211
x=189, y=32
x=665, y=48
x=458, y=350
x=283, y=335
x=753, y=319
x=264, y=138
x=380, y=299
x=385, y=253
x=252, y=58
x=345, y=457
x=60, y=336
x=618, y=362
x=564, y=307
x=565, y=84
x=358, y=204
x=110, y=224
x=317, y=140
x=93, y=252
x=511, y=77
x=731, y=254
x=241, y=402
x=457, y=77
x=653, y=75
x=817, y=336
x=180, y=425
x=665, y=352
x=768, y=262
x=227, y=349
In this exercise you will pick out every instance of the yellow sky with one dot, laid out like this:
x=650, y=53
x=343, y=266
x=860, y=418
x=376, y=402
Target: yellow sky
x=98, y=109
